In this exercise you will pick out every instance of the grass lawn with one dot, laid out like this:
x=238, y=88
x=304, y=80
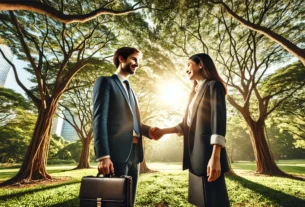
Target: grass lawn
x=168, y=186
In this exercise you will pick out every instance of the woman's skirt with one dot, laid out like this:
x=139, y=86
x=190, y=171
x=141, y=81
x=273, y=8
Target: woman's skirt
x=207, y=194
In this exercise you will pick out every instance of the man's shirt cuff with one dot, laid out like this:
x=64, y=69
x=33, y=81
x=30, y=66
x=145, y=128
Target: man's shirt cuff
x=218, y=139
x=103, y=157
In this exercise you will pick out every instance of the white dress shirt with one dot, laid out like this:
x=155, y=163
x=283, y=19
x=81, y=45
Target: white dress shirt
x=122, y=79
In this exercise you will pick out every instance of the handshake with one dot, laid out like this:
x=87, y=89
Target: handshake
x=156, y=133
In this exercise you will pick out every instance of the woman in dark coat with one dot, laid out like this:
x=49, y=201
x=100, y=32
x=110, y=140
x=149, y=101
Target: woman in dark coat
x=204, y=129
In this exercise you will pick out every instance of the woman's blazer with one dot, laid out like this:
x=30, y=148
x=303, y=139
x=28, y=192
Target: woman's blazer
x=208, y=118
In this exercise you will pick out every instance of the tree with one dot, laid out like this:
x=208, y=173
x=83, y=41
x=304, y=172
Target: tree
x=55, y=53
x=238, y=143
x=282, y=22
x=17, y=124
x=246, y=56
x=283, y=143
x=289, y=116
x=10, y=102
x=72, y=151
x=58, y=10
x=76, y=108
x=57, y=143
x=15, y=135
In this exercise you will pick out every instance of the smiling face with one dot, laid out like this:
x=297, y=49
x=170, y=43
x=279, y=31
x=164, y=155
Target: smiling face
x=193, y=70
x=130, y=65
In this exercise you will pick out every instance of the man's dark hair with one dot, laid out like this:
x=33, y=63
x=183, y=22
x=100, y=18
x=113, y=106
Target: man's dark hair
x=124, y=52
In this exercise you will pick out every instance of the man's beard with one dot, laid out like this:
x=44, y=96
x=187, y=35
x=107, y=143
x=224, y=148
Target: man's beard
x=128, y=69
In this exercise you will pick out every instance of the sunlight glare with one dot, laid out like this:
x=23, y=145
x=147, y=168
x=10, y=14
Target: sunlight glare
x=173, y=94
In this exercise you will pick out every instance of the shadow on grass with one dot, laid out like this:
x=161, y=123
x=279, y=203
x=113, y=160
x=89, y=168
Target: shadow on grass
x=293, y=169
x=68, y=170
x=276, y=196
x=69, y=203
x=6, y=176
x=10, y=174
x=9, y=167
x=19, y=194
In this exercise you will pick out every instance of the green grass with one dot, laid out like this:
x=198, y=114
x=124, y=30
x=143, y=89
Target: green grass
x=168, y=186
x=296, y=167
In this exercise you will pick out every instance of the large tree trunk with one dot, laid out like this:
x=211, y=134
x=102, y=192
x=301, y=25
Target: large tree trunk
x=231, y=171
x=265, y=163
x=143, y=167
x=230, y=155
x=34, y=163
x=84, y=157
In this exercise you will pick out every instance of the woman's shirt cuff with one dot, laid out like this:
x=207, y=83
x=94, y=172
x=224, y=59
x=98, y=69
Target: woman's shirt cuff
x=180, y=132
x=218, y=139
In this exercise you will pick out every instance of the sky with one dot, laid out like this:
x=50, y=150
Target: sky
x=23, y=76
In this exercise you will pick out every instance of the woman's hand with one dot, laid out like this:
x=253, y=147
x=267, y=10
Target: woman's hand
x=214, y=168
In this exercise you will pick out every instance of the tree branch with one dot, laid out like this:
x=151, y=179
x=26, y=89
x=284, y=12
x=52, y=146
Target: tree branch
x=28, y=92
x=30, y=58
x=285, y=43
x=43, y=8
x=288, y=96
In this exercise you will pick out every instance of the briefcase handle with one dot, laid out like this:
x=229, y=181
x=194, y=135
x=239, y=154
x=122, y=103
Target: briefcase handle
x=108, y=175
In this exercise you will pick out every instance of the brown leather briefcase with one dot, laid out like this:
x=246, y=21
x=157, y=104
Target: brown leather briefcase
x=106, y=191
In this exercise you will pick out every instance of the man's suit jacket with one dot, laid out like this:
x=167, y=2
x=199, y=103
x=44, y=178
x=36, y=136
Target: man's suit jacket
x=113, y=121
x=208, y=117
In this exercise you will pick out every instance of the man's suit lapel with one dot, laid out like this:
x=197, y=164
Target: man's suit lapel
x=198, y=98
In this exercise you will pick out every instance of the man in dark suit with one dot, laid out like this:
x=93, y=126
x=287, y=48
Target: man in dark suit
x=117, y=124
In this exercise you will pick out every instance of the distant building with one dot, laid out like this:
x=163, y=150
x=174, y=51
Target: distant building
x=67, y=131
x=4, y=66
x=56, y=126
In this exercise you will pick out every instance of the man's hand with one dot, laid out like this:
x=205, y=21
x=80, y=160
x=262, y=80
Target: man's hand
x=214, y=168
x=105, y=166
x=155, y=133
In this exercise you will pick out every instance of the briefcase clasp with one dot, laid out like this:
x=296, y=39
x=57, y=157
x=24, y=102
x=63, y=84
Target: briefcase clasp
x=99, y=202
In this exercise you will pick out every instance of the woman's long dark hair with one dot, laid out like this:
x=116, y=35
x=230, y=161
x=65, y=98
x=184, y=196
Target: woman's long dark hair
x=208, y=71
